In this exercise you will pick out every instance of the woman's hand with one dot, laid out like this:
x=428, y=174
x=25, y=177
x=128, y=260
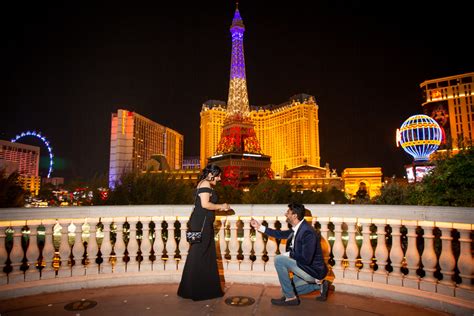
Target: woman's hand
x=225, y=207
x=254, y=223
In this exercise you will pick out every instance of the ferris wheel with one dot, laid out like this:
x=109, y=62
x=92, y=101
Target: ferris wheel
x=45, y=141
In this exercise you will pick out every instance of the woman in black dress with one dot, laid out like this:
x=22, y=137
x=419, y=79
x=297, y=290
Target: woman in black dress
x=200, y=279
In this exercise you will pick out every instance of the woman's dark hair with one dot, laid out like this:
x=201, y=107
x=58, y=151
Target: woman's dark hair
x=212, y=169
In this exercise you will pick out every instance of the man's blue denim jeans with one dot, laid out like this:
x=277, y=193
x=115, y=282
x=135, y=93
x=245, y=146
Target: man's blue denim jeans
x=304, y=283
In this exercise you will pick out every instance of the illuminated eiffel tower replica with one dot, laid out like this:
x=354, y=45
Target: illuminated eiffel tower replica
x=238, y=152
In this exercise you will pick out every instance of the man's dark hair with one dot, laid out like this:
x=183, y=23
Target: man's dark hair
x=297, y=209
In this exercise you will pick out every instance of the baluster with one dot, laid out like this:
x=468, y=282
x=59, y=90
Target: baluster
x=271, y=247
x=428, y=258
x=352, y=250
x=412, y=256
x=3, y=254
x=132, y=247
x=338, y=248
x=64, y=251
x=259, y=264
x=183, y=244
x=92, y=248
x=222, y=243
x=158, y=245
x=446, y=260
x=246, y=264
x=32, y=252
x=366, y=251
x=145, y=246
x=465, y=263
x=283, y=242
x=78, y=250
x=233, y=264
x=325, y=245
x=396, y=253
x=381, y=252
x=119, y=246
x=48, y=271
x=171, y=244
x=16, y=254
x=106, y=247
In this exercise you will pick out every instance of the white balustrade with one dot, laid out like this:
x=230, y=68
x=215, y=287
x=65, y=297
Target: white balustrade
x=158, y=244
x=412, y=255
x=3, y=254
x=170, y=244
x=366, y=251
x=259, y=263
x=16, y=254
x=119, y=246
x=145, y=245
x=221, y=243
x=246, y=264
x=428, y=258
x=233, y=263
x=352, y=251
x=381, y=252
x=442, y=293
x=338, y=248
x=326, y=246
x=92, y=248
x=396, y=253
x=183, y=244
x=465, y=263
x=271, y=247
x=446, y=260
x=64, y=250
x=78, y=250
x=33, y=252
x=132, y=246
x=106, y=247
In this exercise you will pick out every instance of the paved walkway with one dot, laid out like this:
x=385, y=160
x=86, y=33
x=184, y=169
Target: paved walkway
x=161, y=299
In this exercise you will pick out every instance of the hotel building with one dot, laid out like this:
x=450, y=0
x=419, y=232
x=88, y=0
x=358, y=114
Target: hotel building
x=134, y=139
x=287, y=132
x=449, y=101
x=23, y=159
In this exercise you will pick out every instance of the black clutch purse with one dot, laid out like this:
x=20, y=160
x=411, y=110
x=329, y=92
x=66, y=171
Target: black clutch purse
x=196, y=236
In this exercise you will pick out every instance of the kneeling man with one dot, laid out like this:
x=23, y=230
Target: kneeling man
x=303, y=257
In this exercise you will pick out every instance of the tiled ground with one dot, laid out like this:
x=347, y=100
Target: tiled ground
x=161, y=299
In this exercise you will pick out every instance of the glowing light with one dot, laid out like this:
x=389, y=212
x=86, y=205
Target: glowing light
x=44, y=140
x=420, y=136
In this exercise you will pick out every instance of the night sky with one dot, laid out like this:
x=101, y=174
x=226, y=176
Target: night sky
x=67, y=67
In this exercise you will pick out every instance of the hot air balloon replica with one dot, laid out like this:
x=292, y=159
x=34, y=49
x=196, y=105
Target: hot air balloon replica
x=419, y=136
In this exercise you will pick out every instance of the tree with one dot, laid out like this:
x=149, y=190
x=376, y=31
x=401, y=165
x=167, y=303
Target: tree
x=451, y=182
x=151, y=188
x=11, y=192
x=268, y=192
x=228, y=193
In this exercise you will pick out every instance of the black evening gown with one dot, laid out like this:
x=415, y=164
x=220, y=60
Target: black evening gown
x=200, y=279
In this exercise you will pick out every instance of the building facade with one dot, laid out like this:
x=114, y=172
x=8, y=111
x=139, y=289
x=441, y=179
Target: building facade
x=23, y=159
x=449, y=101
x=134, y=139
x=365, y=179
x=308, y=177
x=288, y=132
